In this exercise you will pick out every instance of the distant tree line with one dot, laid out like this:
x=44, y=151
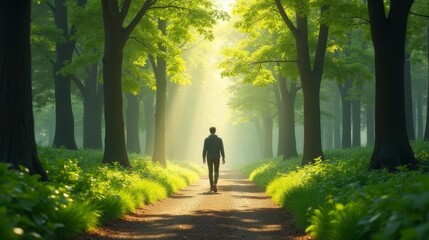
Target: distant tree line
x=104, y=50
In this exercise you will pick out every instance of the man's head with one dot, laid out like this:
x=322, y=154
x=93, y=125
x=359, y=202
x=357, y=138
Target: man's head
x=212, y=130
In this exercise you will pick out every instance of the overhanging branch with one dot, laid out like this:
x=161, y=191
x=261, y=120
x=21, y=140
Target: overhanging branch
x=274, y=61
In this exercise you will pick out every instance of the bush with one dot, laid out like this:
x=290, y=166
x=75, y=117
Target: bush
x=82, y=193
x=28, y=206
x=339, y=198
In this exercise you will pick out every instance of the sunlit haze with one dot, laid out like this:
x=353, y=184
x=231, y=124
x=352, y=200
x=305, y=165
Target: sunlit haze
x=196, y=107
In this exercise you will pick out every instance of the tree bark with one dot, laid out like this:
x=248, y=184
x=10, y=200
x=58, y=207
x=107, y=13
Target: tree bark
x=92, y=110
x=370, y=128
x=289, y=104
x=310, y=81
x=115, y=38
x=288, y=97
x=392, y=147
x=408, y=97
x=356, y=110
x=328, y=135
x=64, y=120
x=311, y=78
x=17, y=141
x=160, y=68
x=260, y=134
x=426, y=136
x=281, y=116
x=346, y=113
x=115, y=150
x=268, y=135
x=133, y=141
x=337, y=123
x=419, y=113
x=149, y=112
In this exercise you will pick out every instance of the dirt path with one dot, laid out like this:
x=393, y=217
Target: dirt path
x=239, y=210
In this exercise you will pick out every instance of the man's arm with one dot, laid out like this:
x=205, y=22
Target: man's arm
x=204, y=151
x=222, y=151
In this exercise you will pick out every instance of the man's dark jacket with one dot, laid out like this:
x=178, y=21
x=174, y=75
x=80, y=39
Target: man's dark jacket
x=213, y=147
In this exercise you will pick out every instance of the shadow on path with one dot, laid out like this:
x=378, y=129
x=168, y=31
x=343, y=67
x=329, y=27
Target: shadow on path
x=240, y=210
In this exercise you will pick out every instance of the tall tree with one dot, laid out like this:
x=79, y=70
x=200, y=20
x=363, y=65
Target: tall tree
x=176, y=27
x=85, y=68
x=17, y=142
x=160, y=69
x=310, y=74
x=356, y=112
x=92, y=93
x=388, y=31
x=132, y=117
x=64, y=120
x=255, y=104
x=426, y=136
x=267, y=122
x=409, y=118
x=148, y=96
x=115, y=37
x=344, y=88
x=263, y=56
x=288, y=97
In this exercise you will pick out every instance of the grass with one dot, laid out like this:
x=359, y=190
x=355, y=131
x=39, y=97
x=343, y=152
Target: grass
x=82, y=193
x=339, y=198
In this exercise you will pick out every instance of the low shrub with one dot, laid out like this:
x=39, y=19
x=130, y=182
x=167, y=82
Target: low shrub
x=82, y=193
x=27, y=206
x=339, y=198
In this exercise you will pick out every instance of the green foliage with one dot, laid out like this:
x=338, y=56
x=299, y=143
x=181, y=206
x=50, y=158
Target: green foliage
x=341, y=199
x=76, y=218
x=27, y=206
x=82, y=193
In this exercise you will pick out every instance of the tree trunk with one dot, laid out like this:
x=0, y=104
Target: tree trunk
x=149, y=112
x=408, y=97
x=260, y=134
x=337, y=124
x=268, y=135
x=370, y=128
x=161, y=97
x=92, y=110
x=281, y=116
x=392, y=148
x=17, y=141
x=329, y=135
x=356, y=109
x=64, y=124
x=133, y=142
x=311, y=78
x=114, y=150
x=312, y=128
x=346, y=113
x=419, y=113
x=310, y=81
x=115, y=38
x=289, y=104
x=288, y=97
x=426, y=136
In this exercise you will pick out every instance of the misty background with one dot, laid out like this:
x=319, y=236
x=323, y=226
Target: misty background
x=206, y=101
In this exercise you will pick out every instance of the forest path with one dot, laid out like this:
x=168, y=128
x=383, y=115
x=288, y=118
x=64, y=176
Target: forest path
x=239, y=210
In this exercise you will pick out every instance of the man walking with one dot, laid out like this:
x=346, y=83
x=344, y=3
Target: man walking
x=213, y=149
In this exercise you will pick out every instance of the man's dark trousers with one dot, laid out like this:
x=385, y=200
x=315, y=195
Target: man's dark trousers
x=213, y=163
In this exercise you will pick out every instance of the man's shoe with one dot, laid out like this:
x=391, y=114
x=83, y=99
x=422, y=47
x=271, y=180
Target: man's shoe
x=215, y=188
x=211, y=188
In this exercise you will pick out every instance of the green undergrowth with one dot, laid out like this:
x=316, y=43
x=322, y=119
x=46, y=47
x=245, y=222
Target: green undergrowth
x=82, y=193
x=339, y=198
